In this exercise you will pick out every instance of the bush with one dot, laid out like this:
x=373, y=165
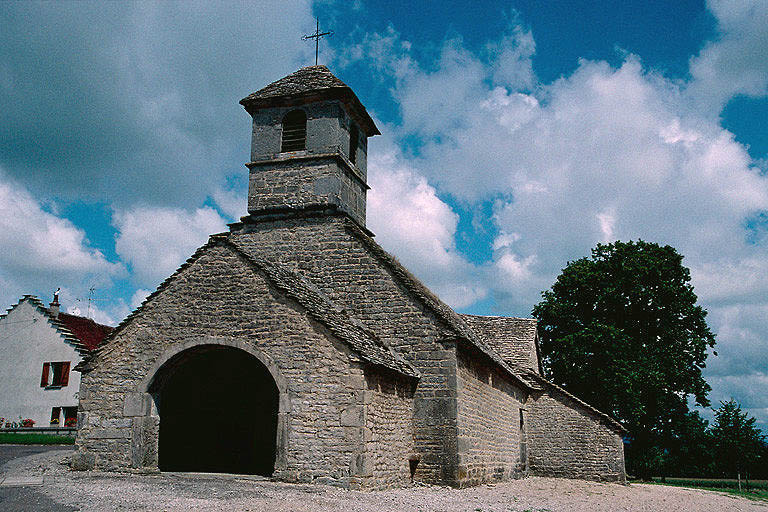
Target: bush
x=12, y=438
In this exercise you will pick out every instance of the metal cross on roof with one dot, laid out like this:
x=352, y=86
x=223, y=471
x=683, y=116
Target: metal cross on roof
x=316, y=36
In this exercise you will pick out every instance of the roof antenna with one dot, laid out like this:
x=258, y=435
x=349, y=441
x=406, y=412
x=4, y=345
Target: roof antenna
x=317, y=36
x=91, y=300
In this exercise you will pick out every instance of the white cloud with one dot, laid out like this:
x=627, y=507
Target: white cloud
x=232, y=202
x=511, y=57
x=148, y=93
x=411, y=221
x=156, y=241
x=737, y=61
x=41, y=251
x=93, y=312
x=138, y=297
x=602, y=154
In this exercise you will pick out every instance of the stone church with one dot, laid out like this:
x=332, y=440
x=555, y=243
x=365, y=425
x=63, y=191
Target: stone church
x=295, y=346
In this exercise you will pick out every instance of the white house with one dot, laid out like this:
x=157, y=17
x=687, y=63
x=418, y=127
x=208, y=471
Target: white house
x=39, y=347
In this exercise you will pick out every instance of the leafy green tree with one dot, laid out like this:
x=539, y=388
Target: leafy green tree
x=739, y=444
x=622, y=330
x=689, y=451
x=761, y=468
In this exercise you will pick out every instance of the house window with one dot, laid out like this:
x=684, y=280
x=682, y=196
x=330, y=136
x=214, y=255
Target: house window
x=353, y=138
x=55, y=415
x=55, y=375
x=294, y=131
x=70, y=416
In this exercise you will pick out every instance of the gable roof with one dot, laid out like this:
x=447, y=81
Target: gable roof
x=539, y=382
x=454, y=327
x=305, y=80
x=513, y=338
x=309, y=84
x=83, y=334
x=529, y=379
x=452, y=320
x=318, y=306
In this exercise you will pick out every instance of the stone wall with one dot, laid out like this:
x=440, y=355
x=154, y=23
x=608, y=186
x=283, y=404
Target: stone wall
x=389, y=437
x=328, y=127
x=220, y=299
x=299, y=182
x=326, y=252
x=490, y=436
x=566, y=439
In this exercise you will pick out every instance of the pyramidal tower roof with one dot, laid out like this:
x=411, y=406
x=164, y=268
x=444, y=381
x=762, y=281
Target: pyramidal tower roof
x=313, y=83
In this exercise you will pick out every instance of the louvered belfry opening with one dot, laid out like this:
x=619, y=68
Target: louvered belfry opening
x=353, y=136
x=294, y=131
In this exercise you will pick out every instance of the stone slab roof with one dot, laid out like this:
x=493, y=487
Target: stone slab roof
x=310, y=84
x=528, y=378
x=454, y=327
x=513, y=338
x=82, y=333
x=338, y=320
x=452, y=320
x=539, y=382
x=305, y=80
x=317, y=305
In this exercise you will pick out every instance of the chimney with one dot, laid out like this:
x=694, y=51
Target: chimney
x=54, y=306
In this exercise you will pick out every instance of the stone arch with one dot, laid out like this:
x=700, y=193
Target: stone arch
x=145, y=438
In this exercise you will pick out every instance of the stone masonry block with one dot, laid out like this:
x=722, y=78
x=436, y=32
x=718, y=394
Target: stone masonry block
x=110, y=433
x=136, y=404
x=352, y=417
x=82, y=461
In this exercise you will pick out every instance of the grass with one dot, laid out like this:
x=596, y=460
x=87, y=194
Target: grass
x=758, y=489
x=9, y=438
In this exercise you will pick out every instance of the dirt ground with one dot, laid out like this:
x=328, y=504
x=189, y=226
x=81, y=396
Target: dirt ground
x=93, y=491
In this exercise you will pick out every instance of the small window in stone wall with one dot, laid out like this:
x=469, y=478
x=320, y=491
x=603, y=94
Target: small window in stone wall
x=294, y=131
x=522, y=424
x=354, y=135
x=55, y=374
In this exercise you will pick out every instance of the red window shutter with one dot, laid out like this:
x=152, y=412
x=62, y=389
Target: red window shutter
x=64, y=373
x=44, y=378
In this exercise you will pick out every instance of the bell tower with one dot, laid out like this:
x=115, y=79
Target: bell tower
x=309, y=146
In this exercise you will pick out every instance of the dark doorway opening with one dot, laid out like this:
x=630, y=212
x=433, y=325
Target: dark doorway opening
x=218, y=412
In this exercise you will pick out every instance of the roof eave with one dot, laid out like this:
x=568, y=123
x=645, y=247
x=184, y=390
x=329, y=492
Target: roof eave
x=253, y=102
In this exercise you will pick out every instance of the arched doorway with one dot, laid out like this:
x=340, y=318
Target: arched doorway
x=218, y=408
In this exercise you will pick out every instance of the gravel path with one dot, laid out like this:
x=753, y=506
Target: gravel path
x=92, y=491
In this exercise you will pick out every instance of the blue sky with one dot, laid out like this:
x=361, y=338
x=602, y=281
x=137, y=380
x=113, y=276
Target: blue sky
x=516, y=135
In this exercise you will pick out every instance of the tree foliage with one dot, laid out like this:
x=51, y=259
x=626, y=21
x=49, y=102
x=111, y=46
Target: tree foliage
x=739, y=444
x=622, y=330
x=690, y=448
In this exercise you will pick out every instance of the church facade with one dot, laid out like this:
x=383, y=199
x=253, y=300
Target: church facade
x=294, y=346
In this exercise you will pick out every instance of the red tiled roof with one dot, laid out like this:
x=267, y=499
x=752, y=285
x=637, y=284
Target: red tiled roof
x=87, y=331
